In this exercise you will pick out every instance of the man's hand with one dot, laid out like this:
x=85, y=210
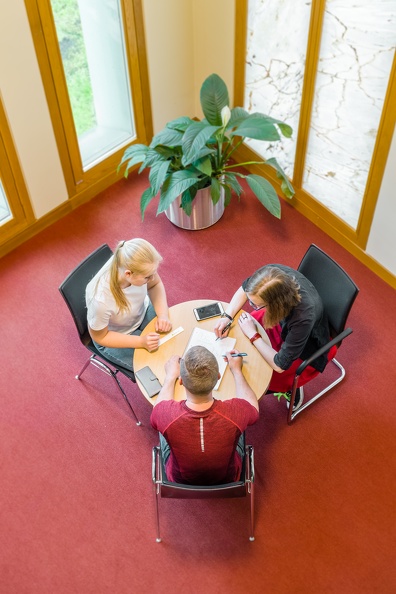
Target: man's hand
x=172, y=372
x=172, y=368
x=234, y=363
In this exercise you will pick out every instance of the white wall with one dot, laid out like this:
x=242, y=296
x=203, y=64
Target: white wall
x=382, y=240
x=27, y=112
x=169, y=31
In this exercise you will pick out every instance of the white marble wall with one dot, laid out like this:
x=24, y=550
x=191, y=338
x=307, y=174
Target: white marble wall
x=356, y=53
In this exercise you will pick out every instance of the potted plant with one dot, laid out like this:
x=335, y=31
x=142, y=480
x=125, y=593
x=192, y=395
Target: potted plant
x=190, y=156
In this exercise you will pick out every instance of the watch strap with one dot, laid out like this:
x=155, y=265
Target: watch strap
x=225, y=315
x=255, y=337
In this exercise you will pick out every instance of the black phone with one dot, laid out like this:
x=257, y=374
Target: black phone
x=208, y=311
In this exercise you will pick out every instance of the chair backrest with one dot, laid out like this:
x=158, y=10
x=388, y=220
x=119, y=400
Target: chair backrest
x=335, y=287
x=228, y=490
x=73, y=288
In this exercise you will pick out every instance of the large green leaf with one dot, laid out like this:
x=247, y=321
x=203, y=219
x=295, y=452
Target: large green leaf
x=231, y=181
x=214, y=96
x=286, y=186
x=215, y=190
x=157, y=175
x=153, y=156
x=238, y=115
x=180, y=123
x=175, y=185
x=258, y=127
x=204, y=165
x=134, y=154
x=265, y=193
x=186, y=202
x=194, y=139
x=147, y=196
x=167, y=137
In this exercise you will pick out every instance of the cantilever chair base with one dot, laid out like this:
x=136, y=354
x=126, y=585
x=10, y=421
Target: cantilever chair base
x=292, y=414
x=165, y=488
x=338, y=293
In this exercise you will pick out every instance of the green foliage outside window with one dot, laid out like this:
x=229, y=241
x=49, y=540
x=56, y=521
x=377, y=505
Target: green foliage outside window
x=75, y=64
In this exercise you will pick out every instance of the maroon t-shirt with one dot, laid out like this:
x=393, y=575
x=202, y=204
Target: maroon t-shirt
x=203, y=444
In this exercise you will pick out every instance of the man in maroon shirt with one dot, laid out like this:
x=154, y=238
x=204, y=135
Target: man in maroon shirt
x=202, y=433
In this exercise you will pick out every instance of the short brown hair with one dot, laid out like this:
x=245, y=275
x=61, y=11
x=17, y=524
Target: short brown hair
x=199, y=370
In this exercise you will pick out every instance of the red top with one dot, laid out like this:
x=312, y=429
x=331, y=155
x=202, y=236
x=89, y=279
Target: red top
x=203, y=444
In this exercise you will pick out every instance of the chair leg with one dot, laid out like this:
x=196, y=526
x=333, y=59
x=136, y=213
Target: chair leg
x=250, y=487
x=292, y=414
x=156, y=480
x=102, y=367
x=84, y=368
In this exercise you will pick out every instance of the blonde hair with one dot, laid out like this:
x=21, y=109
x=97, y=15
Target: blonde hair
x=199, y=371
x=136, y=255
x=279, y=291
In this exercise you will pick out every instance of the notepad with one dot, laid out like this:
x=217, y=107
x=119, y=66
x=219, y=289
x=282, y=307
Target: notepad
x=200, y=337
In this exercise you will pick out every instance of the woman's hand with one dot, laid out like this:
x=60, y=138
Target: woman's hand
x=163, y=324
x=219, y=328
x=247, y=324
x=150, y=341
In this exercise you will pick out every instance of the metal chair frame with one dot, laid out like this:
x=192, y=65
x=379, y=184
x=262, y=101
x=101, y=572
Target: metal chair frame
x=242, y=488
x=84, y=272
x=337, y=317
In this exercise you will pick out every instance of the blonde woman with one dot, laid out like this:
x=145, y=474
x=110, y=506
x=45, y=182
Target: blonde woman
x=123, y=297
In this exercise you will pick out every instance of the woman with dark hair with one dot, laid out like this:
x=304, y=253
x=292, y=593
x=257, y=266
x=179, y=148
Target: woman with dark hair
x=287, y=306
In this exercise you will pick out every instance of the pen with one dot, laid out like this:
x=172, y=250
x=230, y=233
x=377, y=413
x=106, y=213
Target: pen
x=238, y=355
x=224, y=329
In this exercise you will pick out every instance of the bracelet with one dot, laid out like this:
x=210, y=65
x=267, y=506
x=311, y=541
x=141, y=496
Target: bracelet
x=255, y=337
x=225, y=315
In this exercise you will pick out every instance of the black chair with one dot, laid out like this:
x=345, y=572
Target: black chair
x=338, y=293
x=73, y=292
x=241, y=488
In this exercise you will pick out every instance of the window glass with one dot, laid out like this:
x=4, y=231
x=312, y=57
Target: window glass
x=275, y=65
x=356, y=54
x=91, y=41
x=5, y=211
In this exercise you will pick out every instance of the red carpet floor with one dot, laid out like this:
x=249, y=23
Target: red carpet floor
x=76, y=502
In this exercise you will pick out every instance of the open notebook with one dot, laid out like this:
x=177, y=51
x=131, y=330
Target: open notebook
x=207, y=339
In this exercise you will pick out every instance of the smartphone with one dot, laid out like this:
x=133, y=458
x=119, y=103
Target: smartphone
x=149, y=381
x=208, y=311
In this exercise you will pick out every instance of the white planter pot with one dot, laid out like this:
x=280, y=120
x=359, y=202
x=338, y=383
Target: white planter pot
x=203, y=214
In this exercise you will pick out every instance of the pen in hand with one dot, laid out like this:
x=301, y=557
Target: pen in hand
x=237, y=355
x=224, y=329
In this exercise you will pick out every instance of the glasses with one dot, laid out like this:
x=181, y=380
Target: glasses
x=254, y=306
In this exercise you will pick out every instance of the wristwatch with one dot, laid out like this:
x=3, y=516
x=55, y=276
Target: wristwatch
x=225, y=315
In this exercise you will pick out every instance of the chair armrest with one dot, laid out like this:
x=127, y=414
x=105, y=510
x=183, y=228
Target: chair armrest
x=323, y=350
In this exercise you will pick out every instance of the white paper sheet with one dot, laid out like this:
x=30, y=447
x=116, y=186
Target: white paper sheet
x=200, y=337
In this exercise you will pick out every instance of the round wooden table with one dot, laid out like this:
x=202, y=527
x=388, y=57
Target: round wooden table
x=255, y=369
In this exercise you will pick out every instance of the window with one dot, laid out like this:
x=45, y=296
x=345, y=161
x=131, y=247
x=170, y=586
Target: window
x=5, y=211
x=92, y=46
x=327, y=69
x=95, y=77
x=15, y=209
